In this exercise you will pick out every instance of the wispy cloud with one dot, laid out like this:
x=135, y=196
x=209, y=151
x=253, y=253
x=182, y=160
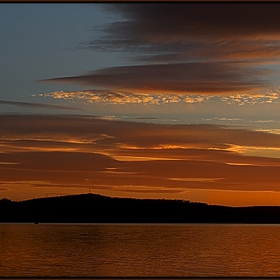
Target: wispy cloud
x=36, y=105
x=138, y=158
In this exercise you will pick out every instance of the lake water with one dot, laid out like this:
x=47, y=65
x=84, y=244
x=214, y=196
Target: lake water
x=139, y=250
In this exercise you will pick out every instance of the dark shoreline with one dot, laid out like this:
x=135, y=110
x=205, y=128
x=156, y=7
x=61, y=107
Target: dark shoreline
x=94, y=208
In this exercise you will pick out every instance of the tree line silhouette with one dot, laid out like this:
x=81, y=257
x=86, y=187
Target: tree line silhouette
x=94, y=208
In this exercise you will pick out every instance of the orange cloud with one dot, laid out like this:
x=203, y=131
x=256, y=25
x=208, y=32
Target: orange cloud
x=139, y=159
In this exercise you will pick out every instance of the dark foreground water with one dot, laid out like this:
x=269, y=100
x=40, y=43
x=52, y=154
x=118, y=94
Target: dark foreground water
x=139, y=250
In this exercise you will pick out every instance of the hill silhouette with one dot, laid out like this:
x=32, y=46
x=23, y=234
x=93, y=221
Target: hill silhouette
x=94, y=208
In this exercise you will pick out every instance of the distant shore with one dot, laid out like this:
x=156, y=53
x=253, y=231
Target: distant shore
x=94, y=208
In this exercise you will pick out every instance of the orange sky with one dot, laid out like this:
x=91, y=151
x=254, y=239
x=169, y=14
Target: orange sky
x=197, y=83
x=48, y=155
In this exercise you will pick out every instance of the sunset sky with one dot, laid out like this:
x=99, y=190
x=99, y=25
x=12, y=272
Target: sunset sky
x=163, y=100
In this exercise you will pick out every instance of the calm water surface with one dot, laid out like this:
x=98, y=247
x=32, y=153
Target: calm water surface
x=139, y=250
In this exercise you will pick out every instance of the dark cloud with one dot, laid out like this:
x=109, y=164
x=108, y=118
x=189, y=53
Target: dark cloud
x=188, y=47
x=254, y=52
x=204, y=77
x=196, y=19
x=178, y=27
x=36, y=105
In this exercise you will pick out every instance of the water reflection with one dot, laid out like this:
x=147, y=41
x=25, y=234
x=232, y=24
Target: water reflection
x=139, y=250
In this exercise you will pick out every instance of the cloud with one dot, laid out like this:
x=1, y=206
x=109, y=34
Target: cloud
x=198, y=19
x=110, y=97
x=193, y=48
x=121, y=98
x=144, y=159
x=95, y=132
x=36, y=105
x=192, y=77
x=254, y=52
x=176, y=28
x=107, y=97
